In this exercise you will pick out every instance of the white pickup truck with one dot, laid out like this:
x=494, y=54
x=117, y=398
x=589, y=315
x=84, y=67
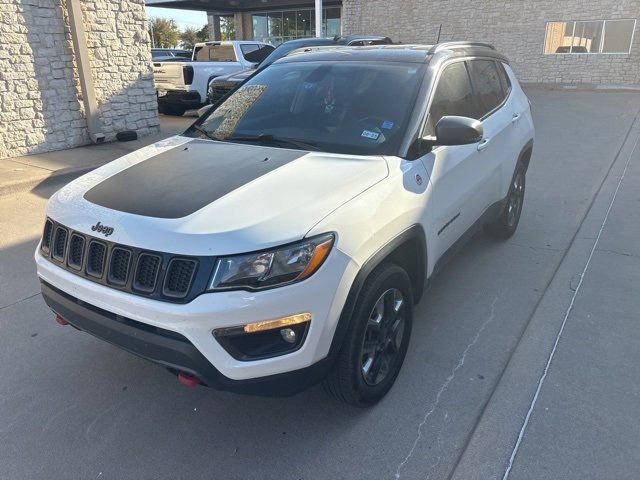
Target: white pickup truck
x=183, y=85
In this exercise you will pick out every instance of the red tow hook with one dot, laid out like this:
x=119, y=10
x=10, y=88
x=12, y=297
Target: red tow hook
x=61, y=321
x=188, y=380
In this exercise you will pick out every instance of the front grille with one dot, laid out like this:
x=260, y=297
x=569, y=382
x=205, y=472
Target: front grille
x=76, y=251
x=147, y=272
x=157, y=275
x=59, y=243
x=217, y=90
x=179, y=277
x=119, y=266
x=46, y=235
x=95, y=258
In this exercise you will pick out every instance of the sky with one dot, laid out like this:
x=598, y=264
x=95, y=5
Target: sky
x=184, y=18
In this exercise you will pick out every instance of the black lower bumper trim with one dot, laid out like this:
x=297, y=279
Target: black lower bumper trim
x=171, y=349
x=179, y=97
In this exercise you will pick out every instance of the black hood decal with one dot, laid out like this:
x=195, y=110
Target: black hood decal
x=185, y=179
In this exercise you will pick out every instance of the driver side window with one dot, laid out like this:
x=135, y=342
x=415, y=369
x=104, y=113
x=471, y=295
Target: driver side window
x=452, y=96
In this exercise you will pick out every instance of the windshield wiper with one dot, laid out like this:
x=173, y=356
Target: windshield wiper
x=268, y=139
x=204, y=132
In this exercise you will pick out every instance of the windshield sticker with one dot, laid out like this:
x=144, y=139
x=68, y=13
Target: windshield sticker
x=387, y=124
x=370, y=134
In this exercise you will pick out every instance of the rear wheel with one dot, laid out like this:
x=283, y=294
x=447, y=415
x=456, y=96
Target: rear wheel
x=377, y=340
x=507, y=223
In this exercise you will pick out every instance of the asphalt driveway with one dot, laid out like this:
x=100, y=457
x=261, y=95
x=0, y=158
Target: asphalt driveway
x=74, y=407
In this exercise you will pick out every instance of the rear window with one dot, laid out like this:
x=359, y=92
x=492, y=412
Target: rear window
x=215, y=53
x=504, y=80
x=488, y=90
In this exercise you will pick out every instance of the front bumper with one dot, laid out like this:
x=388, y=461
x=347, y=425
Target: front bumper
x=171, y=349
x=186, y=340
x=181, y=97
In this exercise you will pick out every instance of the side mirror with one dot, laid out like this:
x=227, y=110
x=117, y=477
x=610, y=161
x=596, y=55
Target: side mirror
x=453, y=130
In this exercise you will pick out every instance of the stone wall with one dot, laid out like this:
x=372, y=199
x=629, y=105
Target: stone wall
x=40, y=99
x=515, y=27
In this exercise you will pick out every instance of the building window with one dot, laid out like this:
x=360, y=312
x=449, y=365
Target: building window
x=280, y=26
x=598, y=36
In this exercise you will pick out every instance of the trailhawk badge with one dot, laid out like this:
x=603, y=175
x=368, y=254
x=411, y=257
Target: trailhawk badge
x=106, y=231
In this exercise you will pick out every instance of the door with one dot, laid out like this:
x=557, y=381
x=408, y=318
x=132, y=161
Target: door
x=458, y=179
x=498, y=149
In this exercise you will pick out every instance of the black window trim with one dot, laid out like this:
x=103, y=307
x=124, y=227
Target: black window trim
x=473, y=87
x=434, y=86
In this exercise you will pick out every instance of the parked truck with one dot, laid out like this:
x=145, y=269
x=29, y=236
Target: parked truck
x=181, y=86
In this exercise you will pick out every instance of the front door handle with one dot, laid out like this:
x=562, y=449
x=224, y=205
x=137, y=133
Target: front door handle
x=484, y=143
x=515, y=118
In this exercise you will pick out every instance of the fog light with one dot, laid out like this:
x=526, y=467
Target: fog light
x=288, y=335
x=265, y=339
x=278, y=322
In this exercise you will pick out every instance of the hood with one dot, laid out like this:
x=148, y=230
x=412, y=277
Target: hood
x=236, y=77
x=201, y=197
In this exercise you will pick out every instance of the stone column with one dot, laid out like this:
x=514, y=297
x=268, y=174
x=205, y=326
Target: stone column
x=214, y=26
x=237, y=20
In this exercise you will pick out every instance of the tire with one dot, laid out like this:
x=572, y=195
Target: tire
x=374, y=347
x=506, y=224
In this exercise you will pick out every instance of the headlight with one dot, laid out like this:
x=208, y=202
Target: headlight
x=272, y=268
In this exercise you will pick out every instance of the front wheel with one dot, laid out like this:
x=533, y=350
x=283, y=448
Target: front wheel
x=507, y=223
x=376, y=341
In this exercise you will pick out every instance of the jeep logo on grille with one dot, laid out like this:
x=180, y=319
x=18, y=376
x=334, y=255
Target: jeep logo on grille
x=106, y=231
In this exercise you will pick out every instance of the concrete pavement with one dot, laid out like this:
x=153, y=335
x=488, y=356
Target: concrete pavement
x=22, y=173
x=74, y=407
x=567, y=402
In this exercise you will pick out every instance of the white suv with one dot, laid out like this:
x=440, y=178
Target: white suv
x=285, y=237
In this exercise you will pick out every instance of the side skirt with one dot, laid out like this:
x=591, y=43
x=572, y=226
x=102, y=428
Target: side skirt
x=490, y=214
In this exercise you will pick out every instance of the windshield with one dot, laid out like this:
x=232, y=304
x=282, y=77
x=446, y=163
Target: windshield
x=356, y=108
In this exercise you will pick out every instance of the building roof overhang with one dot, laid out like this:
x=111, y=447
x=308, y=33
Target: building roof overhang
x=234, y=6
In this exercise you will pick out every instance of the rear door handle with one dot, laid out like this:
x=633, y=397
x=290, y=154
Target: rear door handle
x=484, y=143
x=515, y=118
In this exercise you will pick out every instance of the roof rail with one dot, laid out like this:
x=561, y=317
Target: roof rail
x=448, y=45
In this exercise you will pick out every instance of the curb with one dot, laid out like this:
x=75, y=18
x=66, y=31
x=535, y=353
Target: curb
x=58, y=176
x=582, y=87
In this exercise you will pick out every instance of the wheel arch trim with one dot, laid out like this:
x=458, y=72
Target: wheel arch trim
x=525, y=154
x=415, y=234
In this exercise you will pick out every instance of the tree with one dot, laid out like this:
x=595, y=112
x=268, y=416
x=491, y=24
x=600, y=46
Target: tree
x=227, y=28
x=189, y=37
x=203, y=33
x=163, y=32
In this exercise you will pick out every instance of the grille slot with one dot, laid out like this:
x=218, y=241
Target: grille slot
x=76, y=251
x=46, y=236
x=95, y=258
x=119, y=266
x=179, y=277
x=59, y=243
x=147, y=272
x=161, y=276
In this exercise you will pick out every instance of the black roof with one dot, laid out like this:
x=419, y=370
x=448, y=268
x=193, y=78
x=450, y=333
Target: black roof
x=396, y=53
